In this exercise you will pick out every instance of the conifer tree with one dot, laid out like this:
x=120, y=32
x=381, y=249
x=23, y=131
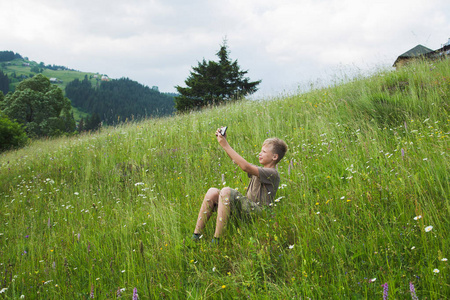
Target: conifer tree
x=213, y=83
x=4, y=83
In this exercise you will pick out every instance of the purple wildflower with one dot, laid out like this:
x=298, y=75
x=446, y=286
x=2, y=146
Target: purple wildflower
x=403, y=153
x=385, y=291
x=119, y=293
x=291, y=165
x=135, y=294
x=413, y=291
x=92, y=292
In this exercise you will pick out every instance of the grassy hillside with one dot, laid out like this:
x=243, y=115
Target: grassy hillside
x=65, y=76
x=364, y=201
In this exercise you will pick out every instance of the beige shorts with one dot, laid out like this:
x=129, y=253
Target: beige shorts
x=241, y=206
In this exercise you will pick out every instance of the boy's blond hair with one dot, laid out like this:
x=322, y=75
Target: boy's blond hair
x=278, y=147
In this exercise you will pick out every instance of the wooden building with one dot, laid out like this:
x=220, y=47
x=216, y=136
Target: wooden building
x=414, y=53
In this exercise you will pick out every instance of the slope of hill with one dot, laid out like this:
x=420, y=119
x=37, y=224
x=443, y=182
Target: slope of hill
x=362, y=212
x=20, y=68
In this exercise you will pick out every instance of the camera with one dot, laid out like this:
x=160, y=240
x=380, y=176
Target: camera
x=223, y=130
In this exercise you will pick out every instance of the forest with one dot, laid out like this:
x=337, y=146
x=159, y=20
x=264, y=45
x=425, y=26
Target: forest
x=8, y=55
x=4, y=83
x=119, y=100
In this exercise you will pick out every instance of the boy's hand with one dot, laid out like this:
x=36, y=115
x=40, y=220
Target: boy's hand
x=222, y=139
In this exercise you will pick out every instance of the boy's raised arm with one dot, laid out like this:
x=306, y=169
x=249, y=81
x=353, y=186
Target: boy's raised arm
x=235, y=157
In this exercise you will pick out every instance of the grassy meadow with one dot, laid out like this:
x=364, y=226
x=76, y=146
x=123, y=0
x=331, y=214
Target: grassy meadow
x=362, y=212
x=16, y=67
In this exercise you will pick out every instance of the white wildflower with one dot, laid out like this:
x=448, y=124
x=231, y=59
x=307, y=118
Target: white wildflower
x=278, y=199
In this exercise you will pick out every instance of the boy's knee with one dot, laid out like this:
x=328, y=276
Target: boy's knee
x=226, y=196
x=212, y=192
x=225, y=192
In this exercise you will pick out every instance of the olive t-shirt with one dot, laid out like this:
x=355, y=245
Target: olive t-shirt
x=262, y=188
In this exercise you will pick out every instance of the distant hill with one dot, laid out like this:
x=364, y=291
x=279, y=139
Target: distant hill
x=19, y=68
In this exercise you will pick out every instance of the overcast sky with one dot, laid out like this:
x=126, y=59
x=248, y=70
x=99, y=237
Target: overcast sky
x=286, y=43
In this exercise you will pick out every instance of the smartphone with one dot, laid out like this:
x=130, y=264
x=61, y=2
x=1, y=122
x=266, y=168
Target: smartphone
x=223, y=130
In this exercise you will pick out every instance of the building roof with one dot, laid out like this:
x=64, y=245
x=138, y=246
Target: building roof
x=416, y=51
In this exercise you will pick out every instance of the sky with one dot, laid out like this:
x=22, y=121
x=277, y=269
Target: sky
x=288, y=44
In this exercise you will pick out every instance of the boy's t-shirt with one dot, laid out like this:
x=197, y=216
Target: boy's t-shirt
x=262, y=189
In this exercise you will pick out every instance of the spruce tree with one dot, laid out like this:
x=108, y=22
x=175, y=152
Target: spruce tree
x=213, y=83
x=4, y=83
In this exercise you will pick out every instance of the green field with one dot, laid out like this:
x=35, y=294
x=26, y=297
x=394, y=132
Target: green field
x=66, y=76
x=363, y=207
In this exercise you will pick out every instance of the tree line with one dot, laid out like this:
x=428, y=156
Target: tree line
x=118, y=100
x=8, y=55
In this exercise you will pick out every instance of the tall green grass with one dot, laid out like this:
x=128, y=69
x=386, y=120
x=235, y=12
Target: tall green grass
x=366, y=173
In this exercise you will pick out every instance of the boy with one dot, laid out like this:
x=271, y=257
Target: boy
x=261, y=189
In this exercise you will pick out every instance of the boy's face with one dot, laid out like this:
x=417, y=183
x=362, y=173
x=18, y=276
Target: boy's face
x=266, y=156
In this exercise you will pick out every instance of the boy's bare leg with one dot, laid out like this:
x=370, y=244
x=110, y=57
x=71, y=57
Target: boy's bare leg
x=209, y=203
x=223, y=211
